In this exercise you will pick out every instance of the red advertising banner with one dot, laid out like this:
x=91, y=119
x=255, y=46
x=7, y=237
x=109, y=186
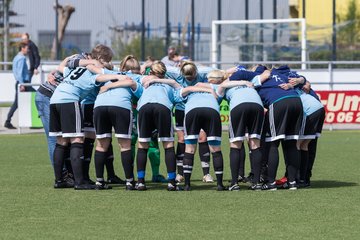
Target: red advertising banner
x=341, y=106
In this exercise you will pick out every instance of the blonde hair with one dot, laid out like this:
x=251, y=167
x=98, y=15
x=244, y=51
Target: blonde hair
x=188, y=70
x=130, y=63
x=217, y=76
x=102, y=53
x=158, y=69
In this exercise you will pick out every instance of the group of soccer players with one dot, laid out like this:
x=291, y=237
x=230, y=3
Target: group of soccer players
x=93, y=99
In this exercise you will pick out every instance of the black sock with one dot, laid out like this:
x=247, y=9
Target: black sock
x=128, y=165
x=100, y=159
x=170, y=161
x=76, y=152
x=304, y=164
x=312, y=154
x=218, y=166
x=204, y=154
x=109, y=163
x=180, y=150
x=188, y=166
x=67, y=159
x=59, y=154
x=141, y=159
x=256, y=160
x=234, y=164
x=242, y=158
x=273, y=160
x=264, y=159
x=88, y=149
x=293, y=159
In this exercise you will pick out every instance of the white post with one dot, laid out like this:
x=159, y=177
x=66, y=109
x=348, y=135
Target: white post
x=213, y=44
x=303, y=43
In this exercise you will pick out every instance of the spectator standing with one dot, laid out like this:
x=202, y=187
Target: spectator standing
x=169, y=58
x=33, y=56
x=21, y=74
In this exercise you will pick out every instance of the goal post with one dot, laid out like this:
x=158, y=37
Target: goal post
x=301, y=32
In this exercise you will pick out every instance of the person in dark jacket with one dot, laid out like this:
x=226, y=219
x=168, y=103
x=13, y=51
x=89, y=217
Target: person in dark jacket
x=33, y=55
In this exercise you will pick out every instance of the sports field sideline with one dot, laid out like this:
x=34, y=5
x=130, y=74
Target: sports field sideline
x=31, y=209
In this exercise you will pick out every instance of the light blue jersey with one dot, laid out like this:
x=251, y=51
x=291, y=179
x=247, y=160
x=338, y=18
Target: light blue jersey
x=118, y=97
x=174, y=73
x=76, y=85
x=310, y=104
x=160, y=93
x=199, y=100
x=91, y=97
x=242, y=94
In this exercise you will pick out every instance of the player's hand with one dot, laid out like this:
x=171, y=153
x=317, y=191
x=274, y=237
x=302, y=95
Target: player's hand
x=286, y=86
x=306, y=88
x=148, y=83
x=103, y=89
x=249, y=84
x=36, y=72
x=51, y=79
x=22, y=88
x=294, y=81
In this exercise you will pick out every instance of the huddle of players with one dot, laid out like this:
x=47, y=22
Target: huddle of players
x=291, y=118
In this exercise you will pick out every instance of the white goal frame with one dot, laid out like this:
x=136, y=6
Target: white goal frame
x=215, y=23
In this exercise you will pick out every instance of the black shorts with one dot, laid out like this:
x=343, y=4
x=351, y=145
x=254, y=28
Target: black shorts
x=204, y=118
x=155, y=116
x=179, y=119
x=107, y=117
x=88, y=114
x=246, y=118
x=285, y=119
x=313, y=125
x=66, y=120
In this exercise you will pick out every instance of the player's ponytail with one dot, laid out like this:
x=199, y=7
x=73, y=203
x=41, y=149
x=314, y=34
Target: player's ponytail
x=130, y=63
x=158, y=69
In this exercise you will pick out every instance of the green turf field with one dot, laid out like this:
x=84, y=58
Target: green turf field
x=31, y=209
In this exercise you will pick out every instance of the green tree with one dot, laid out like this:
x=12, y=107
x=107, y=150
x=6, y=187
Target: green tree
x=349, y=35
x=154, y=47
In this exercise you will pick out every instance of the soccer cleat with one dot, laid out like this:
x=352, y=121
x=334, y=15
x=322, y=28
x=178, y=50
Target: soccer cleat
x=8, y=125
x=102, y=186
x=84, y=186
x=179, y=178
x=130, y=186
x=234, y=187
x=303, y=184
x=63, y=184
x=140, y=187
x=292, y=185
x=187, y=188
x=281, y=181
x=249, y=178
x=221, y=188
x=69, y=178
x=171, y=187
x=269, y=186
x=207, y=179
x=256, y=187
x=263, y=178
x=115, y=180
x=89, y=181
x=159, y=179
